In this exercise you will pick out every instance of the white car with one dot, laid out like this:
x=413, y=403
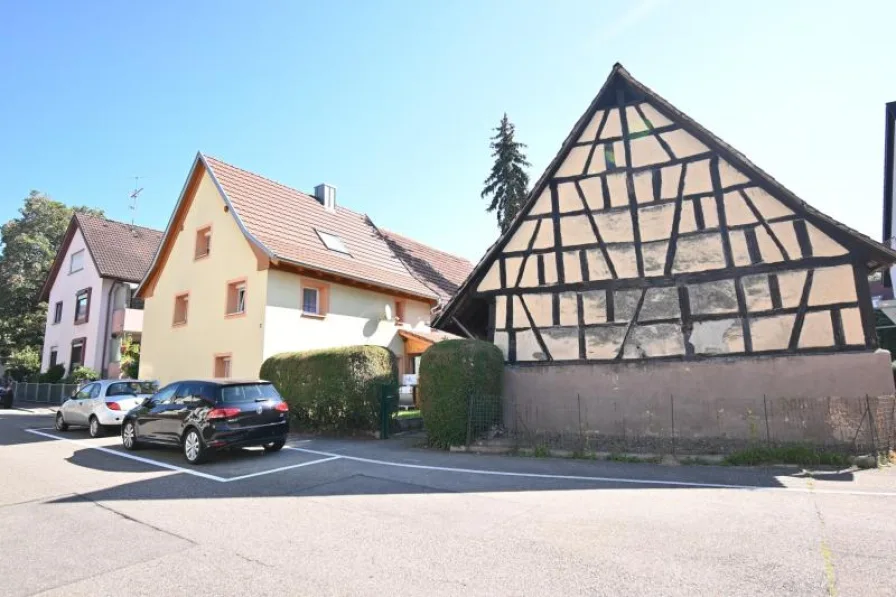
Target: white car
x=103, y=403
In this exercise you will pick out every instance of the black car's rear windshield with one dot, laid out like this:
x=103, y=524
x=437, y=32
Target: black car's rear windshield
x=131, y=388
x=249, y=392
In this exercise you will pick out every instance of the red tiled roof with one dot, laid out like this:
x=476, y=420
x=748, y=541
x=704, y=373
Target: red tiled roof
x=285, y=222
x=440, y=271
x=120, y=251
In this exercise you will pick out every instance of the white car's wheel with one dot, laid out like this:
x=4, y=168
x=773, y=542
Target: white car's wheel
x=96, y=430
x=60, y=423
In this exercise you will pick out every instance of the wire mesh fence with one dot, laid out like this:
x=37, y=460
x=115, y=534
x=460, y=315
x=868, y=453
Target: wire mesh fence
x=681, y=425
x=42, y=393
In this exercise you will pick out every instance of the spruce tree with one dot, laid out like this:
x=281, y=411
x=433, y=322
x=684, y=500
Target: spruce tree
x=508, y=183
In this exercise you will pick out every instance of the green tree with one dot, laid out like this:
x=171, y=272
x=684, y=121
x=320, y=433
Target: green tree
x=130, y=357
x=508, y=183
x=29, y=244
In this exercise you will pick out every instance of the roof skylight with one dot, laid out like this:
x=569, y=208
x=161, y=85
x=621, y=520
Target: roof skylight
x=332, y=242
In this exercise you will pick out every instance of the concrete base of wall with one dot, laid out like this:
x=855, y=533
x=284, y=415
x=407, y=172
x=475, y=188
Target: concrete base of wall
x=806, y=398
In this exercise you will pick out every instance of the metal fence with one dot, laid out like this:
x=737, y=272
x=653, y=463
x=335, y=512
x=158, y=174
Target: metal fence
x=42, y=393
x=681, y=425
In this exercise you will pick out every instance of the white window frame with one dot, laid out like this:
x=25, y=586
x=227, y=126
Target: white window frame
x=71, y=263
x=241, y=298
x=316, y=292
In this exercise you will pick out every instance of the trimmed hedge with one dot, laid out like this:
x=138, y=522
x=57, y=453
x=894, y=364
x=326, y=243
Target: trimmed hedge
x=460, y=386
x=334, y=389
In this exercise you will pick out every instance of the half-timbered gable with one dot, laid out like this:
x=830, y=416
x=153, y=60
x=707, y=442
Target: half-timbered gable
x=649, y=238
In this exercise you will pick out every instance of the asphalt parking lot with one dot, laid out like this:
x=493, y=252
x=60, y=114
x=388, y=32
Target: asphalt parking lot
x=79, y=516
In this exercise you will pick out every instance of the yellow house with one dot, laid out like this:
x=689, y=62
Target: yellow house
x=249, y=268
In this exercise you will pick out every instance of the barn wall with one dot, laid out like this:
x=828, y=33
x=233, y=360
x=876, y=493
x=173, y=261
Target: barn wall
x=808, y=398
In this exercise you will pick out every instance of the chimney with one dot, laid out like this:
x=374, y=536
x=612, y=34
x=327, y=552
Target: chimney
x=326, y=195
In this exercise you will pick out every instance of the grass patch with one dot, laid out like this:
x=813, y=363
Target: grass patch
x=541, y=451
x=802, y=455
x=697, y=460
x=616, y=457
x=408, y=414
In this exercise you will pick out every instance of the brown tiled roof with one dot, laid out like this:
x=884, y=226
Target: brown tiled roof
x=440, y=271
x=285, y=222
x=120, y=251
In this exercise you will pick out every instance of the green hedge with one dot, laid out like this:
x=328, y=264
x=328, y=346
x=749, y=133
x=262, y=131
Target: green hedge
x=334, y=389
x=460, y=387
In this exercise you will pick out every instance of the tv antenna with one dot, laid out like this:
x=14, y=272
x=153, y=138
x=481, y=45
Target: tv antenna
x=133, y=206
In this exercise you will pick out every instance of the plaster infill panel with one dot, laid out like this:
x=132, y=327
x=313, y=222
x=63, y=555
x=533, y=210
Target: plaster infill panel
x=540, y=307
x=643, y=184
x=542, y=205
x=654, y=340
x=491, y=280
x=833, y=285
x=569, y=309
x=568, y=198
x=767, y=205
x=771, y=333
x=502, y=341
x=647, y=151
x=660, y=303
x=613, y=125
x=730, y=176
x=697, y=178
x=822, y=244
x=594, y=307
x=545, y=237
x=562, y=343
x=528, y=348
x=740, y=253
x=683, y=144
x=574, y=164
x=572, y=267
x=624, y=260
x=512, y=267
x=710, y=210
x=654, y=117
x=817, y=331
x=618, y=189
x=603, y=342
x=787, y=237
x=521, y=238
x=653, y=255
x=592, y=188
x=615, y=226
x=597, y=265
x=737, y=211
x=757, y=293
x=853, y=330
x=723, y=336
x=655, y=221
x=500, y=312
x=791, y=286
x=576, y=230
x=529, y=279
x=590, y=132
x=710, y=298
x=669, y=179
x=699, y=253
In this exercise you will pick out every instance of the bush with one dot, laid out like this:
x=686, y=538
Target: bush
x=82, y=374
x=460, y=389
x=54, y=374
x=23, y=363
x=334, y=389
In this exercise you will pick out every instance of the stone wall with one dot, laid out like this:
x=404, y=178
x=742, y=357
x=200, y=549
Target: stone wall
x=817, y=399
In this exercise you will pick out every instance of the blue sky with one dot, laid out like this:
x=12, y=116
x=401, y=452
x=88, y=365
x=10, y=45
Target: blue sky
x=393, y=102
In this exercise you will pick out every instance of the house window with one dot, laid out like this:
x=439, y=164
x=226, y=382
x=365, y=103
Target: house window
x=54, y=356
x=236, y=297
x=181, y=304
x=315, y=298
x=311, y=301
x=82, y=306
x=77, y=262
x=57, y=312
x=332, y=242
x=399, y=311
x=77, y=357
x=203, y=242
x=222, y=365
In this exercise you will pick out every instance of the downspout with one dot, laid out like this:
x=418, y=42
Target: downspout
x=109, y=311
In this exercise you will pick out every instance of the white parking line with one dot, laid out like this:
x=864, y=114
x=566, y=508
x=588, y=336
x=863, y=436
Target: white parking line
x=173, y=467
x=622, y=480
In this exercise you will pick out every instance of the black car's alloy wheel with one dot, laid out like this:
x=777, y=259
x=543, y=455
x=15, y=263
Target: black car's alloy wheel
x=60, y=423
x=129, y=436
x=194, y=449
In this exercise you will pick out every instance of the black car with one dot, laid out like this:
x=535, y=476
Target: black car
x=202, y=416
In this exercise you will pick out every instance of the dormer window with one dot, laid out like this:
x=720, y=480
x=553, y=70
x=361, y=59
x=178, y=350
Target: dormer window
x=332, y=242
